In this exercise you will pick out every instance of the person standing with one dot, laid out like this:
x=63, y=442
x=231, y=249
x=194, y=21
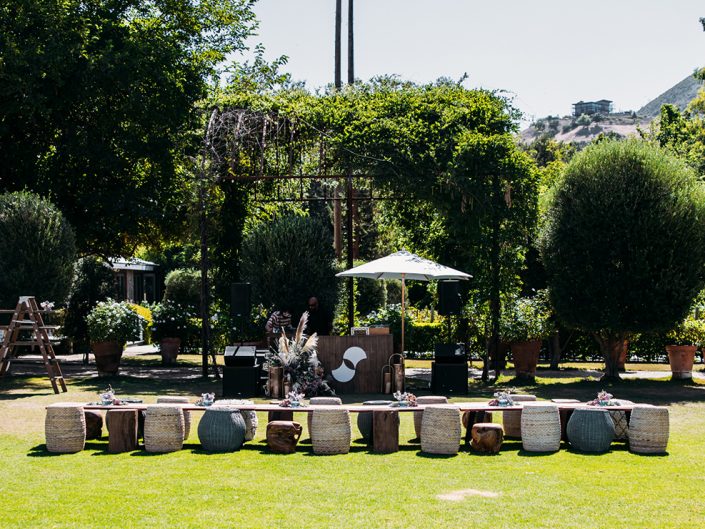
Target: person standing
x=319, y=320
x=279, y=321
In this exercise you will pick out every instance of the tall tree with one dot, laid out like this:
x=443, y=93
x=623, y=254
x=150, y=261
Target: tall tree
x=97, y=98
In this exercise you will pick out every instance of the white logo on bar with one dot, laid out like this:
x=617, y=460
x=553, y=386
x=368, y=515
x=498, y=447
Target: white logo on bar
x=354, y=355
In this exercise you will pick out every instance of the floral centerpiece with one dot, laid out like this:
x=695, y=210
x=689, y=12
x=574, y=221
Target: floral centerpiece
x=107, y=396
x=603, y=399
x=502, y=398
x=405, y=399
x=293, y=400
x=206, y=399
x=298, y=358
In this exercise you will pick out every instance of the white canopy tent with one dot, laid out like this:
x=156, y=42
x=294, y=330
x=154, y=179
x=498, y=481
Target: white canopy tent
x=404, y=265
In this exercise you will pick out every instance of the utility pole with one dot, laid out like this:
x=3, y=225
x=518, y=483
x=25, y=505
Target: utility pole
x=351, y=45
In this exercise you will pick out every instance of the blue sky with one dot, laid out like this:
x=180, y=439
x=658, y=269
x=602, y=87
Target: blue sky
x=547, y=53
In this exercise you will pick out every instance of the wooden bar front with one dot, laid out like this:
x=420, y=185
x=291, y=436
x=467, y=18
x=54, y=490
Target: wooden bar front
x=355, y=363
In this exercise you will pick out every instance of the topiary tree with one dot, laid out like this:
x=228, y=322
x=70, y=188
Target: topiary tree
x=37, y=251
x=624, y=242
x=183, y=287
x=289, y=260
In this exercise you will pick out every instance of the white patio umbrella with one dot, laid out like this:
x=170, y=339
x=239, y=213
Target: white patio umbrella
x=404, y=265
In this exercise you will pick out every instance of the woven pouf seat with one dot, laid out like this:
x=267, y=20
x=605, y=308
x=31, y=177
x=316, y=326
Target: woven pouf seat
x=222, y=429
x=648, y=429
x=511, y=420
x=619, y=418
x=65, y=428
x=250, y=416
x=187, y=414
x=418, y=415
x=322, y=401
x=364, y=418
x=440, y=429
x=330, y=431
x=487, y=437
x=163, y=428
x=540, y=427
x=590, y=429
x=282, y=436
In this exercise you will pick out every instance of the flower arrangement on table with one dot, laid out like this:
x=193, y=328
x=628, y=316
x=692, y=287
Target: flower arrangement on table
x=405, y=399
x=293, y=400
x=299, y=359
x=603, y=399
x=502, y=398
x=207, y=399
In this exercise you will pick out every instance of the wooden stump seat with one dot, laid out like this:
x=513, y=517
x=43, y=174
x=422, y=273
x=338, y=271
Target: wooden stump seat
x=123, y=430
x=283, y=436
x=487, y=437
x=94, y=424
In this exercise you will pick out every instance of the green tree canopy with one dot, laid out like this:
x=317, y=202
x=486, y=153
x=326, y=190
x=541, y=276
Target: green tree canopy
x=97, y=98
x=624, y=242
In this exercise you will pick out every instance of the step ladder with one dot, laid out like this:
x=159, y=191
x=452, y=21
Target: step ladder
x=27, y=319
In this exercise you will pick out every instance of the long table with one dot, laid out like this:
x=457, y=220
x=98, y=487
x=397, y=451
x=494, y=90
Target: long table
x=384, y=415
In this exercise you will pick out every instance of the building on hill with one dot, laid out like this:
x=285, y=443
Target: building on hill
x=603, y=106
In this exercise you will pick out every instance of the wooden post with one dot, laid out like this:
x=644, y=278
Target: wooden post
x=123, y=430
x=385, y=432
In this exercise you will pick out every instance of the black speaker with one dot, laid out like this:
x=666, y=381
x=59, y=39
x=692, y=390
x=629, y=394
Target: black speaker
x=450, y=353
x=240, y=300
x=449, y=378
x=241, y=381
x=449, y=298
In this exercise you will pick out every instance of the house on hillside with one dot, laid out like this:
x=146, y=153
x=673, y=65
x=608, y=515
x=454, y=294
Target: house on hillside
x=603, y=106
x=137, y=280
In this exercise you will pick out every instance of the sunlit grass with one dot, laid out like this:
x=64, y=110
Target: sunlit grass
x=256, y=489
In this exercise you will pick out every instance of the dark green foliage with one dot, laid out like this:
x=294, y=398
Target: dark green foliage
x=289, y=260
x=183, y=287
x=37, y=251
x=370, y=295
x=98, y=101
x=625, y=240
x=93, y=281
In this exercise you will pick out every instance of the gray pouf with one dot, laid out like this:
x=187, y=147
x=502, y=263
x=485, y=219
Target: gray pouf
x=222, y=429
x=590, y=430
x=364, y=419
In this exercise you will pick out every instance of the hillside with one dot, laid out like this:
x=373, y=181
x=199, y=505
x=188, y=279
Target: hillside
x=584, y=129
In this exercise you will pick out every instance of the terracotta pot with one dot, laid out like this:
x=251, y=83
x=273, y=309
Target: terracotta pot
x=169, y=349
x=107, y=357
x=681, y=358
x=525, y=356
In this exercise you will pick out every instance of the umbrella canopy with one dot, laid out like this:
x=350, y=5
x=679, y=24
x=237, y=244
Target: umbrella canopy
x=404, y=265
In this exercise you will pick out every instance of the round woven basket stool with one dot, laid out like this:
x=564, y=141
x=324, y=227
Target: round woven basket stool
x=418, y=415
x=440, y=429
x=163, y=428
x=540, y=427
x=648, y=429
x=65, y=428
x=364, y=418
x=330, y=431
x=322, y=401
x=222, y=429
x=187, y=414
x=590, y=429
x=250, y=416
x=511, y=420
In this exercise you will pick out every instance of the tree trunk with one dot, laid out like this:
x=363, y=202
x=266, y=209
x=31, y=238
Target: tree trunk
x=611, y=345
x=554, y=346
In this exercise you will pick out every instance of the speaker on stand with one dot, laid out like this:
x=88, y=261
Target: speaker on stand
x=449, y=302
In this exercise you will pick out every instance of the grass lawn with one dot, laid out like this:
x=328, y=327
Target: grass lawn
x=255, y=489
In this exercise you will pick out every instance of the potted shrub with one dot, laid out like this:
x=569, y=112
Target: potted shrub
x=526, y=324
x=110, y=325
x=683, y=340
x=170, y=327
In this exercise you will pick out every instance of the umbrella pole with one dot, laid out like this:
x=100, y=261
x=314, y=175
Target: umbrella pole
x=403, y=302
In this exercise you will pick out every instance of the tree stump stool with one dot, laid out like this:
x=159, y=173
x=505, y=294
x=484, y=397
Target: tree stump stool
x=487, y=437
x=123, y=431
x=94, y=424
x=473, y=417
x=282, y=436
x=385, y=432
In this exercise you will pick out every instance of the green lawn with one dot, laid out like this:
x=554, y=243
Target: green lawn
x=253, y=488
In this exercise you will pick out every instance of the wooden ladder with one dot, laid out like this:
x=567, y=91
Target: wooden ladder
x=28, y=317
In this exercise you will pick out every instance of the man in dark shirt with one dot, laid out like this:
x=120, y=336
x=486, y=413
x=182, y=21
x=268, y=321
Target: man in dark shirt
x=318, y=320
